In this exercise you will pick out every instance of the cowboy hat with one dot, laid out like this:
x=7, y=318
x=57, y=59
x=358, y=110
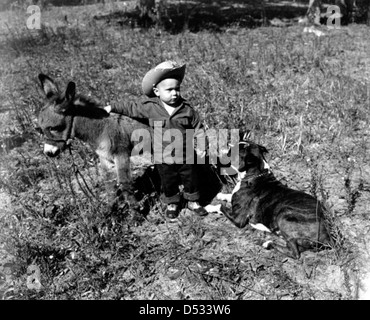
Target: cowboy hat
x=165, y=70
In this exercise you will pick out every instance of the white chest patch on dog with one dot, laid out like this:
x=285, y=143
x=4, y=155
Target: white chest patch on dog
x=224, y=197
x=236, y=188
x=260, y=226
x=213, y=208
x=241, y=175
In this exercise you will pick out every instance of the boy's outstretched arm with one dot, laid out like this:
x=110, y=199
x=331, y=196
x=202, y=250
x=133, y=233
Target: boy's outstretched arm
x=130, y=109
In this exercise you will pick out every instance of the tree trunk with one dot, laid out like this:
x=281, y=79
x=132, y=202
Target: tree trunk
x=145, y=6
x=346, y=9
x=146, y=11
x=314, y=11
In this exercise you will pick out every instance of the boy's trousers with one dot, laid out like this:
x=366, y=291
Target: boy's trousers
x=173, y=175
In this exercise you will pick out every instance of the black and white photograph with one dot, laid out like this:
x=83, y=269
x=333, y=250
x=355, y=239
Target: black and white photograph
x=185, y=156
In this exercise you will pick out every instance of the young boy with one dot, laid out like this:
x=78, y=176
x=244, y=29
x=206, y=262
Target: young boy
x=168, y=112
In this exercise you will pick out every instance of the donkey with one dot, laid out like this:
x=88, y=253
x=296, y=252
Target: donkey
x=267, y=205
x=66, y=116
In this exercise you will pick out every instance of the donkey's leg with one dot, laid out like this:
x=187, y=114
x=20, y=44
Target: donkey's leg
x=110, y=182
x=123, y=171
x=125, y=190
x=109, y=174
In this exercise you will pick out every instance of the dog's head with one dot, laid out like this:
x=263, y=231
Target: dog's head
x=251, y=156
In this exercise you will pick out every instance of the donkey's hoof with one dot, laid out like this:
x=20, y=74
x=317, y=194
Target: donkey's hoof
x=118, y=206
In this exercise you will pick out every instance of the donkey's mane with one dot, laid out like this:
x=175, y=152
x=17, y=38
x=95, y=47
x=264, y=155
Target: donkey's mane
x=81, y=100
x=87, y=107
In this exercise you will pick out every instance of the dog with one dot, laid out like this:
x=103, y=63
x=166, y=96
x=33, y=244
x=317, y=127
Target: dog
x=268, y=205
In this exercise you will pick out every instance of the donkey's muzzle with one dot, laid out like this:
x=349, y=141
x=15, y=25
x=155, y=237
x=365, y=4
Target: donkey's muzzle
x=50, y=150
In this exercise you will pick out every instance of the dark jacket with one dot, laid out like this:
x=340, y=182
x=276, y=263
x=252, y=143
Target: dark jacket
x=176, y=127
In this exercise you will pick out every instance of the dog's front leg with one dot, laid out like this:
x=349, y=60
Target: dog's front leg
x=213, y=208
x=219, y=208
x=224, y=197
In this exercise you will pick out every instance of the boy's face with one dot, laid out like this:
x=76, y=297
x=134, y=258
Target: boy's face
x=168, y=90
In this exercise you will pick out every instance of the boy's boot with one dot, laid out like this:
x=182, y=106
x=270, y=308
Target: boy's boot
x=172, y=211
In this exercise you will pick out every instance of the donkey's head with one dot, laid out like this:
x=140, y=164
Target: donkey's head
x=55, y=119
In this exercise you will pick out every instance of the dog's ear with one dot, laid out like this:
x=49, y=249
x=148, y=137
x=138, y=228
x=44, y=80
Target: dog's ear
x=245, y=136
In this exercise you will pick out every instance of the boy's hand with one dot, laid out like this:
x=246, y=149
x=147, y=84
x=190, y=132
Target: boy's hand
x=108, y=108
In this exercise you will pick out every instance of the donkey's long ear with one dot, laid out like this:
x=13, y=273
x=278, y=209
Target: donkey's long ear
x=67, y=103
x=48, y=85
x=70, y=91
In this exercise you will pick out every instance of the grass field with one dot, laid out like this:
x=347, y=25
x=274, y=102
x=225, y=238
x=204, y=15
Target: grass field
x=305, y=98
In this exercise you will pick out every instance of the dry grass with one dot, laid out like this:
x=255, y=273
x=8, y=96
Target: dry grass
x=304, y=98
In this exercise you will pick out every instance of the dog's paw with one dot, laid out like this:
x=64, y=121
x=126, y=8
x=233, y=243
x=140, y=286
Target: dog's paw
x=224, y=197
x=213, y=208
x=260, y=226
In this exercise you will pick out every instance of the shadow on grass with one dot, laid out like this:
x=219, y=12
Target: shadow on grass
x=209, y=15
